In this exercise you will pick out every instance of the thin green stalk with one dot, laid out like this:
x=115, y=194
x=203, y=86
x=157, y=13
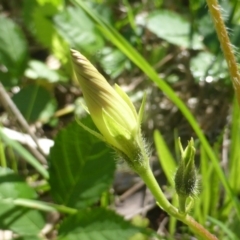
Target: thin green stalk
x=149, y=179
x=12, y=156
x=3, y=161
x=39, y=205
x=227, y=48
x=182, y=203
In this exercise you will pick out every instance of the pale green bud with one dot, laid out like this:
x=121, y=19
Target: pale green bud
x=110, y=108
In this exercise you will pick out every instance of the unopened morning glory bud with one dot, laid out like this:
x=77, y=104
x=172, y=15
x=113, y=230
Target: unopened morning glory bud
x=186, y=175
x=111, y=110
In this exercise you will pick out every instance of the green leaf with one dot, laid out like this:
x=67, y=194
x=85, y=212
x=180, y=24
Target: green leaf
x=32, y=101
x=166, y=159
x=39, y=70
x=7, y=79
x=113, y=61
x=38, y=16
x=200, y=69
x=173, y=28
x=230, y=234
x=234, y=159
x=100, y=224
x=20, y=220
x=13, y=51
x=78, y=30
x=81, y=167
x=210, y=189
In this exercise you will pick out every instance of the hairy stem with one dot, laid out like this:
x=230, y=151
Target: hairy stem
x=149, y=179
x=227, y=48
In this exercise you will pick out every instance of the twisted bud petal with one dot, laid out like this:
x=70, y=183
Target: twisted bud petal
x=110, y=108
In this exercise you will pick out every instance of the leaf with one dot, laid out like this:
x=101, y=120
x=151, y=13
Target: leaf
x=39, y=70
x=200, y=69
x=32, y=101
x=165, y=157
x=100, y=224
x=13, y=51
x=78, y=30
x=113, y=61
x=231, y=234
x=234, y=159
x=173, y=28
x=7, y=79
x=210, y=190
x=81, y=167
x=20, y=220
x=38, y=16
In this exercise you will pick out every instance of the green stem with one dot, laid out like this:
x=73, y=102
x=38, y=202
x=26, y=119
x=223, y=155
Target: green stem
x=149, y=179
x=215, y=12
x=3, y=161
x=182, y=203
x=39, y=205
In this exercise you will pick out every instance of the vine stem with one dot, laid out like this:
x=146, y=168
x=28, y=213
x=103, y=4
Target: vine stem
x=227, y=48
x=149, y=179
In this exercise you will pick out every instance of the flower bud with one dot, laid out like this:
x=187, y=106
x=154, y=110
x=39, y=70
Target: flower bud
x=111, y=110
x=186, y=175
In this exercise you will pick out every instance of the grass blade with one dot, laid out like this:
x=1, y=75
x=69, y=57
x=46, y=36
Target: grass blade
x=25, y=154
x=166, y=159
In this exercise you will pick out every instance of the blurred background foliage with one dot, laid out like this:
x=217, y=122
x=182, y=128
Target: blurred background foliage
x=176, y=38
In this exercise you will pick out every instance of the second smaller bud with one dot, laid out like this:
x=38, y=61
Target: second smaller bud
x=186, y=175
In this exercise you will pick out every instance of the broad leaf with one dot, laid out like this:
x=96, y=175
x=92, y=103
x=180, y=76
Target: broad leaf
x=38, y=16
x=33, y=102
x=100, y=224
x=20, y=220
x=13, y=51
x=200, y=69
x=81, y=167
x=39, y=70
x=113, y=61
x=173, y=28
x=78, y=30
